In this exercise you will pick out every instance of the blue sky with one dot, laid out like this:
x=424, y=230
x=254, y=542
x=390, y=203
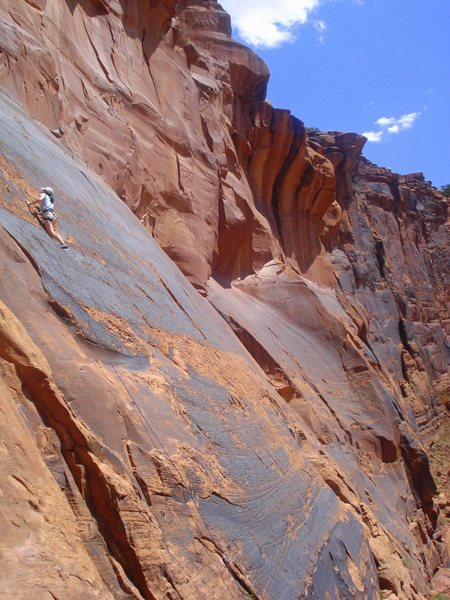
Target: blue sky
x=380, y=67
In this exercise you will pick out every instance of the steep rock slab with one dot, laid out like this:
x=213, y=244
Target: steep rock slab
x=167, y=439
x=168, y=110
x=226, y=183
x=310, y=351
x=42, y=547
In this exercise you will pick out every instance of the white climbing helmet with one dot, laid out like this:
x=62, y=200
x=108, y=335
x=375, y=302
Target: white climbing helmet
x=47, y=190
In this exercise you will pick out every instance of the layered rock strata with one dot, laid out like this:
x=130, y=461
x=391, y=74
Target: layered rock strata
x=277, y=450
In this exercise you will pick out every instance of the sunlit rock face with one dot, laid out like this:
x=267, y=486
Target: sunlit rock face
x=170, y=112
x=269, y=440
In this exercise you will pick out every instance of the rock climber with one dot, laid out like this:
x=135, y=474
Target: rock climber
x=46, y=206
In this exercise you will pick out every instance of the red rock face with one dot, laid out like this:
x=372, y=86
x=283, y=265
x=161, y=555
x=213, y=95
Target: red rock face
x=167, y=110
x=277, y=450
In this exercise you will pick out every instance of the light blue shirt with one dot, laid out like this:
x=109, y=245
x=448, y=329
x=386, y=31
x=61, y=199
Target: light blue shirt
x=46, y=203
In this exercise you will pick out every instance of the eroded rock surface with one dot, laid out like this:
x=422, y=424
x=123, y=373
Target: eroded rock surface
x=269, y=441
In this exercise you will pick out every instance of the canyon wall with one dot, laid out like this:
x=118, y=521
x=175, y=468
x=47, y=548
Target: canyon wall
x=261, y=434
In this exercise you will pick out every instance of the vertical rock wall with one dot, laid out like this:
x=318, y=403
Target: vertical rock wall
x=316, y=395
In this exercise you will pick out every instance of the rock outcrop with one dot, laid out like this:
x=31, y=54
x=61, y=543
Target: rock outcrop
x=267, y=441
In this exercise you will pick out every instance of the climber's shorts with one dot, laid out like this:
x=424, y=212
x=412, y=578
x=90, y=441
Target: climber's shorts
x=49, y=215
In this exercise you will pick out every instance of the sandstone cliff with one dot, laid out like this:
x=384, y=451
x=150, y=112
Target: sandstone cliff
x=266, y=440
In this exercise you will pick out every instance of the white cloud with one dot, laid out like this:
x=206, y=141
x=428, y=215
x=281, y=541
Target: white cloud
x=320, y=26
x=391, y=125
x=407, y=121
x=385, y=121
x=267, y=24
x=394, y=129
x=373, y=136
